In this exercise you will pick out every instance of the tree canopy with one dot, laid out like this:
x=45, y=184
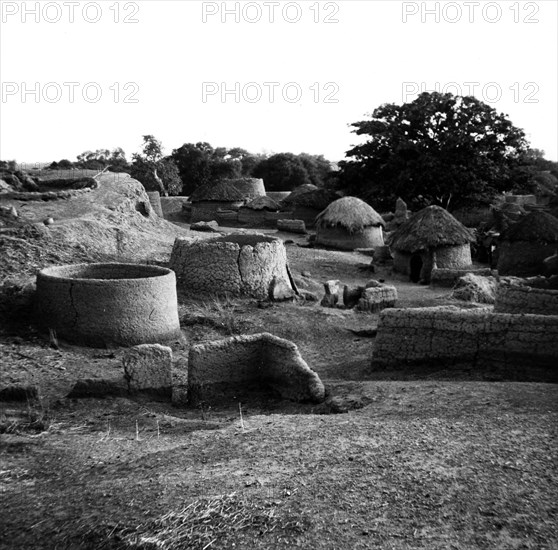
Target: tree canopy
x=286, y=171
x=200, y=164
x=438, y=149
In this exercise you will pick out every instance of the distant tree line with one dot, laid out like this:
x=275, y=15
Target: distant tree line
x=196, y=164
x=439, y=149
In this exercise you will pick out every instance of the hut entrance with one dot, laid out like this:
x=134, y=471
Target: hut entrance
x=416, y=267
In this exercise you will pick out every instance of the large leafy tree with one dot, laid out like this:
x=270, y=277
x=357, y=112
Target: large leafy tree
x=200, y=164
x=282, y=172
x=194, y=165
x=439, y=149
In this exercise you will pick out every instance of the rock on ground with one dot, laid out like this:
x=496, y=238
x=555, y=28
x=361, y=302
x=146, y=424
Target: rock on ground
x=475, y=288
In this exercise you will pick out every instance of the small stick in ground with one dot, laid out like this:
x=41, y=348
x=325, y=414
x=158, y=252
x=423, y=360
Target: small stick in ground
x=241, y=419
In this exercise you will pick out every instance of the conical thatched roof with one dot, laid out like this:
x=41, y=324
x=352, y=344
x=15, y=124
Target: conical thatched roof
x=306, y=188
x=431, y=227
x=263, y=203
x=222, y=191
x=350, y=213
x=539, y=227
x=310, y=197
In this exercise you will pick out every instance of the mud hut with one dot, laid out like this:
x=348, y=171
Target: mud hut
x=349, y=223
x=208, y=199
x=306, y=202
x=430, y=237
x=254, y=214
x=524, y=245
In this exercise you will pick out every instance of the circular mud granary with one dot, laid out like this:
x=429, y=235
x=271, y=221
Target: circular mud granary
x=430, y=238
x=349, y=223
x=525, y=245
x=251, y=188
x=108, y=304
x=237, y=264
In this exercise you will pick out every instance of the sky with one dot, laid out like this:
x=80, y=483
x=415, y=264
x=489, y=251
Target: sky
x=269, y=77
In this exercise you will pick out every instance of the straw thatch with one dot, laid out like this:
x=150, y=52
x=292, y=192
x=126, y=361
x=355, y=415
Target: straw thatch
x=263, y=203
x=349, y=213
x=309, y=197
x=222, y=192
x=539, y=227
x=306, y=188
x=430, y=228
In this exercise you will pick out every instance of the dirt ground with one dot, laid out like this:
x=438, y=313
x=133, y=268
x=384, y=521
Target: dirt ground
x=438, y=459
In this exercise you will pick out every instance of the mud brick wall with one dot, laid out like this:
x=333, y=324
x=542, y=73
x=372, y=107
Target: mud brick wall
x=291, y=226
x=525, y=299
x=227, y=367
x=448, y=277
x=377, y=298
x=474, y=338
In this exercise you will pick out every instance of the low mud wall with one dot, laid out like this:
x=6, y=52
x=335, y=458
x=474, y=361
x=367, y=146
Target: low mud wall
x=235, y=366
x=476, y=338
x=445, y=277
x=514, y=298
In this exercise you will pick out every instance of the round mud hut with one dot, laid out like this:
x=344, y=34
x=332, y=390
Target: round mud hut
x=524, y=245
x=306, y=202
x=241, y=264
x=256, y=212
x=431, y=237
x=349, y=223
x=208, y=199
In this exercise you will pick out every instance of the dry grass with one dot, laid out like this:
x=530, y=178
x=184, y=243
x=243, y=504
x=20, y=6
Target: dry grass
x=221, y=313
x=208, y=522
x=32, y=420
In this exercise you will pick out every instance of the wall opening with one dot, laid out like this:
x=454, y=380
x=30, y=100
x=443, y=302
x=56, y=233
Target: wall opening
x=415, y=267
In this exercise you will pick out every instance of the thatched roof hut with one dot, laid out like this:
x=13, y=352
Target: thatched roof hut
x=524, y=245
x=349, y=223
x=431, y=227
x=536, y=227
x=208, y=199
x=251, y=188
x=430, y=237
x=307, y=201
x=221, y=192
x=257, y=213
x=263, y=203
x=301, y=190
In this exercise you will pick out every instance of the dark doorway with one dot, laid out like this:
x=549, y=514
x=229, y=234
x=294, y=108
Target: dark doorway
x=416, y=267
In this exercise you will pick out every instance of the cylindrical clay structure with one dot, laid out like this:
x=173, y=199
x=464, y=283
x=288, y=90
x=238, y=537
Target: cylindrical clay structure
x=237, y=264
x=108, y=304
